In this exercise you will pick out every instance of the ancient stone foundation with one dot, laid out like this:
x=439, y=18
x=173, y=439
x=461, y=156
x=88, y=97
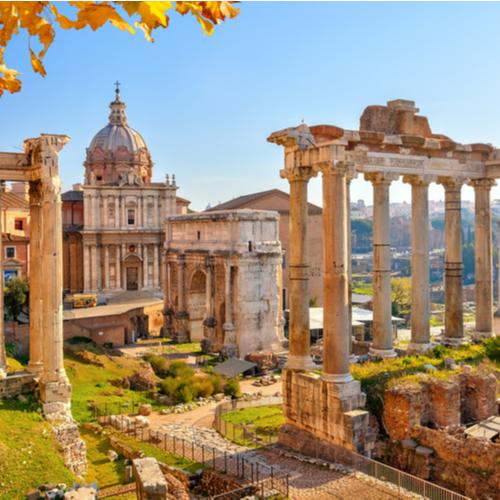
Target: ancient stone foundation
x=16, y=384
x=73, y=447
x=319, y=413
x=150, y=482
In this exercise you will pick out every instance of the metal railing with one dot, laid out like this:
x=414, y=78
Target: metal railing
x=403, y=480
x=242, y=433
x=245, y=468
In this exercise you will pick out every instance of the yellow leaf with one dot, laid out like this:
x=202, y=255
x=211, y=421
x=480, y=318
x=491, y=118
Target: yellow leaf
x=9, y=80
x=37, y=64
x=207, y=26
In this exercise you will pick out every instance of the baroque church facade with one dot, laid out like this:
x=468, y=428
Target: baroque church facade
x=113, y=223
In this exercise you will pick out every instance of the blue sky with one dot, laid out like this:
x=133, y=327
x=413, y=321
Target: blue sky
x=205, y=105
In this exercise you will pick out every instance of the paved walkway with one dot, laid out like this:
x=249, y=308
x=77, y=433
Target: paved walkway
x=307, y=481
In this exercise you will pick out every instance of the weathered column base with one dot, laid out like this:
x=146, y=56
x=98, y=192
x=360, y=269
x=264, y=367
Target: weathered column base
x=381, y=353
x=324, y=411
x=453, y=341
x=55, y=397
x=482, y=335
x=419, y=348
x=302, y=363
x=337, y=378
x=181, y=331
x=230, y=349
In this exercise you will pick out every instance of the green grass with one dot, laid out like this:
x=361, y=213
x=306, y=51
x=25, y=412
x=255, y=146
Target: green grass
x=265, y=421
x=184, y=347
x=92, y=382
x=362, y=288
x=29, y=454
x=101, y=470
x=150, y=450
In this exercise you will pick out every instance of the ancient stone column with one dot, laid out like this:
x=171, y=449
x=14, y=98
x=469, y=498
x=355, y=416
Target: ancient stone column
x=117, y=212
x=420, y=282
x=336, y=328
x=483, y=257
x=93, y=267
x=35, y=365
x=55, y=390
x=299, y=357
x=3, y=354
x=351, y=174
x=228, y=326
x=382, y=346
x=145, y=266
x=453, y=265
x=181, y=314
x=106, y=267
x=118, y=268
x=156, y=266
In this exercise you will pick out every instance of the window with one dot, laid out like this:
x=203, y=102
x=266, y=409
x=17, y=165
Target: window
x=19, y=224
x=199, y=235
x=130, y=216
x=10, y=252
x=99, y=178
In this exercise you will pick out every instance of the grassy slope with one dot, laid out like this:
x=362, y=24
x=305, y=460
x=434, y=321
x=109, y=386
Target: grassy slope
x=28, y=452
x=91, y=382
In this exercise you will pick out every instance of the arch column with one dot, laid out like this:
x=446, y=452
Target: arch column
x=145, y=266
x=453, y=265
x=228, y=326
x=181, y=315
x=382, y=346
x=336, y=327
x=420, y=282
x=299, y=357
x=118, y=267
x=483, y=257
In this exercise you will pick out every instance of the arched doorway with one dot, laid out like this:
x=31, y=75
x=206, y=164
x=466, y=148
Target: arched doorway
x=197, y=305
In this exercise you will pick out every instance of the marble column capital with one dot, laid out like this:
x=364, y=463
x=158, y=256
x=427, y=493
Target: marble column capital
x=485, y=184
x=419, y=180
x=298, y=174
x=452, y=183
x=381, y=178
x=334, y=168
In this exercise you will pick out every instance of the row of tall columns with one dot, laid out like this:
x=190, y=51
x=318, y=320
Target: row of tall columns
x=97, y=274
x=336, y=321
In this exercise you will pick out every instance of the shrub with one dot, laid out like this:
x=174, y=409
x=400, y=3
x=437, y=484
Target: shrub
x=492, y=348
x=185, y=394
x=217, y=382
x=169, y=387
x=159, y=364
x=202, y=387
x=232, y=388
x=179, y=369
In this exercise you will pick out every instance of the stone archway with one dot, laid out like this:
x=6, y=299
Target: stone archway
x=197, y=304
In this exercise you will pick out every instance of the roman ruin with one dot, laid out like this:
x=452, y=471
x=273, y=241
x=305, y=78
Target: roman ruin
x=393, y=141
x=38, y=166
x=223, y=281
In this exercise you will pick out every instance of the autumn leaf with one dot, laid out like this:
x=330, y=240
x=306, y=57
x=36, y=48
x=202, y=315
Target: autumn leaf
x=41, y=19
x=37, y=64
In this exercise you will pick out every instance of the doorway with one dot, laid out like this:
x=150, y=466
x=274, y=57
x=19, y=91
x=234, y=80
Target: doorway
x=132, y=278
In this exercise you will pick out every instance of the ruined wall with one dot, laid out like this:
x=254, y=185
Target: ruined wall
x=18, y=383
x=326, y=411
x=443, y=453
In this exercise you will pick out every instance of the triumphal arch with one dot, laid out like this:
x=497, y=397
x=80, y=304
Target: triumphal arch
x=393, y=141
x=38, y=166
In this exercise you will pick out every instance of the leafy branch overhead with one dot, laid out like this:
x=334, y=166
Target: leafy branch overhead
x=40, y=20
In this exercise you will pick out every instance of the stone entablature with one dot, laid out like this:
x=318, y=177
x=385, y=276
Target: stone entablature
x=223, y=280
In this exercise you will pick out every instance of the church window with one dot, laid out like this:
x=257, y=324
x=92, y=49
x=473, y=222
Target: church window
x=130, y=216
x=19, y=224
x=10, y=252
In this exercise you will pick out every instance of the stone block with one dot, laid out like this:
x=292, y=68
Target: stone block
x=424, y=451
x=150, y=481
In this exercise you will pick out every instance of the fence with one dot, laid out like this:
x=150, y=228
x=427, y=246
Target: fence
x=238, y=465
x=383, y=472
x=241, y=433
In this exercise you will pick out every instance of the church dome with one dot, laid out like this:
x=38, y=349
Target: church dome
x=117, y=153
x=118, y=132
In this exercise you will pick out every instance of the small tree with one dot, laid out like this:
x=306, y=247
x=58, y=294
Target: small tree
x=16, y=293
x=401, y=296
